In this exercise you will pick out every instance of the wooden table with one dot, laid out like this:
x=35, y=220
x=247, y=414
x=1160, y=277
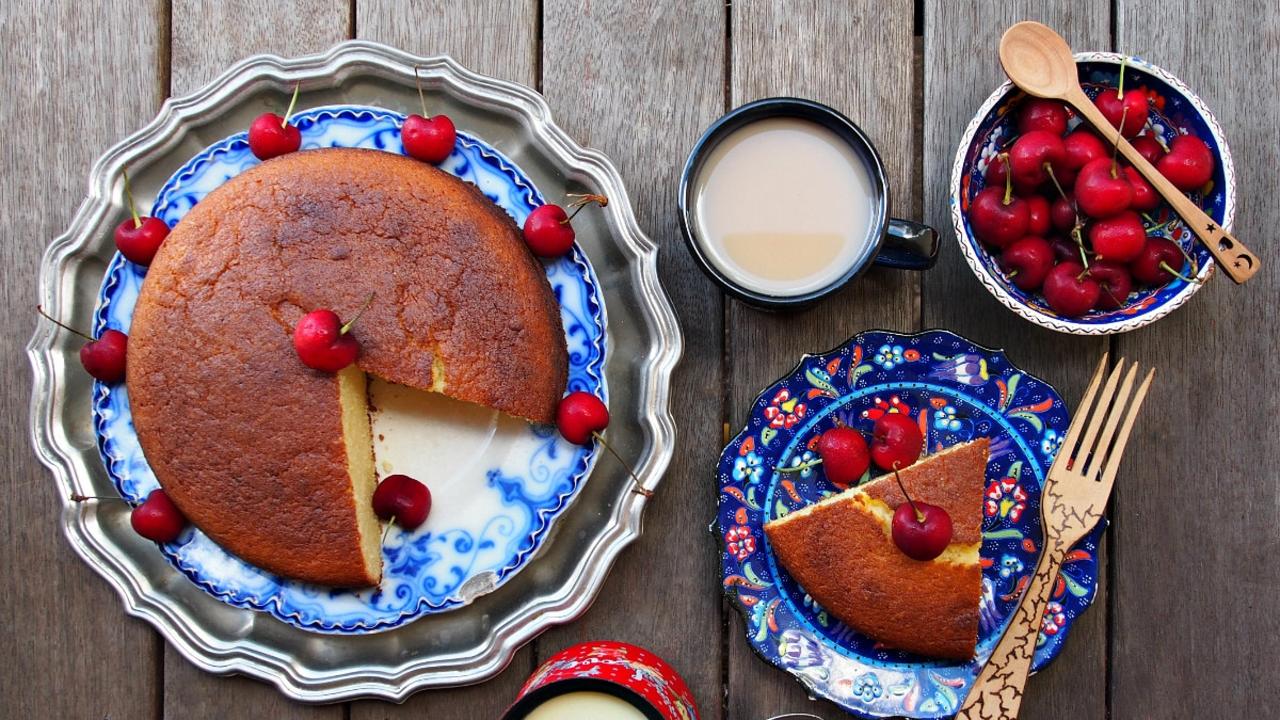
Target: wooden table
x=1183, y=626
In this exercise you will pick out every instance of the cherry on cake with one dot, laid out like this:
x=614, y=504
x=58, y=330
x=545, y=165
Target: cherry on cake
x=274, y=460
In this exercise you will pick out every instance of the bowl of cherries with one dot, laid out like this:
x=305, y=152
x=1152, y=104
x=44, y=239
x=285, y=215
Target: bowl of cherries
x=1060, y=228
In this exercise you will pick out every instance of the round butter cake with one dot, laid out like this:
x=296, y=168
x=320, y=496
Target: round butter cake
x=274, y=460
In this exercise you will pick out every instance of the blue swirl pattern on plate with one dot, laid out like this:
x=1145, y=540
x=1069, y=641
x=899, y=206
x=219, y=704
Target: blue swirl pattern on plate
x=424, y=571
x=958, y=391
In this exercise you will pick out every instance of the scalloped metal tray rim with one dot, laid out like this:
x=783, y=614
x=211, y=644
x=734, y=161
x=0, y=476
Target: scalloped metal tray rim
x=184, y=631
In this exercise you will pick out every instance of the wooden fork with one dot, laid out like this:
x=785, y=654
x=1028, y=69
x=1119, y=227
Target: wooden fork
x=1074, y=495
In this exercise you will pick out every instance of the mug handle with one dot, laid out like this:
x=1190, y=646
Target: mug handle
x=908, y=246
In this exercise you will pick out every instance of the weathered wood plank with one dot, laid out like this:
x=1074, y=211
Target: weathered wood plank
x=209, y=37
x=1197, y=509
x=206, y=39
x=69, y=649
x=640, y=81
x=858, y=58
x=961, y=68
x=496, y=37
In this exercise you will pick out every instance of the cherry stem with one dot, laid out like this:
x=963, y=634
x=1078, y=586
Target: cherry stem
x=896, y=476
x=64, y=326
x=1178, y=274
x=1084, y=258
x=639, y=489
x=77, y=497
x=368, y=301
x=1115, y=146
x=294, y=101
x=133, y=209
x=1124, y=63
x=1191, y=260
x=1011, y=275
x=387, y=531
x=1116, y=300
x=423, y=98
x=1049, y=169
x=582, y=200
x=1083, y=273
x=1008, y=179
x=801, y=467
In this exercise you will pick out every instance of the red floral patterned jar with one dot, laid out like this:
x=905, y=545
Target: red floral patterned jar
x=623, y=671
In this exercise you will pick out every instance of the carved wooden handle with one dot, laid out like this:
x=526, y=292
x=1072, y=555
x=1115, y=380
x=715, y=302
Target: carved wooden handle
x=1231, y=255
x=997, y=693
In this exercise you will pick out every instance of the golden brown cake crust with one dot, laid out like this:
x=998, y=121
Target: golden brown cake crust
x=246, y=439
x=841, y=553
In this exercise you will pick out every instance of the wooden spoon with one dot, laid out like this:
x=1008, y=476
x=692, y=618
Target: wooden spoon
x=1039, y=61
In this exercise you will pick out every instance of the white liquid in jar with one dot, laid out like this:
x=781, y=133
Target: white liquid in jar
x=585, y=706
x=784, y=206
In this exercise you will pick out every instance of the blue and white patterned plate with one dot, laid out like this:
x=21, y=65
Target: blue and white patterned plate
x=956, y=391
x=508, y=481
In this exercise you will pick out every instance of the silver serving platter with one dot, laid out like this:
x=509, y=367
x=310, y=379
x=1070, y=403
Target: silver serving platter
x=464, y=646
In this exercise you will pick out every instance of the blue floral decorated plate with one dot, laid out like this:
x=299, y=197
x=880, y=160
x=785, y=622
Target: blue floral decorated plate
x=1174, y=109
x=956, y=390
x=508, y=481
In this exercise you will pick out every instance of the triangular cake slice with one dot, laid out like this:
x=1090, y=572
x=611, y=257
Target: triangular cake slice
x=841, y=552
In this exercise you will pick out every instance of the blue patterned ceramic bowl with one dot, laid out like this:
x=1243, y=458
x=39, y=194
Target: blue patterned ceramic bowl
x=994, y=124
x=957, y=391
x=508, y=480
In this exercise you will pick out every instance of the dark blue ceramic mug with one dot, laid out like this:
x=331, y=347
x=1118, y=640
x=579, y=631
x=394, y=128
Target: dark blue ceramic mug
x=892, y=243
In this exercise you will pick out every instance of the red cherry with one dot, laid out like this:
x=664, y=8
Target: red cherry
x=921, y=531
x=1066, y=177
x=401, y=497
x=1118, y=238
x=1081, y=146
x=997, y=173
x=1102, y=190
x=994, y=220
x=1188, y=164
x=1160, y=261
x=103, y=357
x=580, y=416
x=139, y=237
x=895, y=441
x=1035, y=156
x=271, y=135
x=1148, y=147
x=845, y=456
x=157, y=518
x=139, y=240
x=1038, y=221
x=1062, y=213
x=1039, y=114
x=428, y=139
x=1028, y=261
x=1131, y=106
x=1064, y=249
x=1145, y=198
x=323, y=343
x=548, y=232
x=1114, y=281
x=1069, y=290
